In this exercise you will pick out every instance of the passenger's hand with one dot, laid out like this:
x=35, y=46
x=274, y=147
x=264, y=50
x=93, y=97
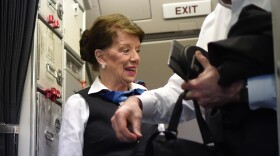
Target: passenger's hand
x=206, y=90
x=127, y=120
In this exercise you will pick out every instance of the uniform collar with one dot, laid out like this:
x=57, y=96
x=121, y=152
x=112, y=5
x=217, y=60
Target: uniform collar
x=97, y=86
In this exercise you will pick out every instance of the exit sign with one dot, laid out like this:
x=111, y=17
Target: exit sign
x=186, y=9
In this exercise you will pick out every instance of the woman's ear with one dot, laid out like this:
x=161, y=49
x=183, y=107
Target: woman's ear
x=99, y=55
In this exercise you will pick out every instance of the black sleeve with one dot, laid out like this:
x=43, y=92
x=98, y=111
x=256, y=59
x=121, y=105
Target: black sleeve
x=248, y=51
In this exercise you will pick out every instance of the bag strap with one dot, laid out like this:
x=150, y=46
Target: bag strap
x=175, y=117
x=206, y=134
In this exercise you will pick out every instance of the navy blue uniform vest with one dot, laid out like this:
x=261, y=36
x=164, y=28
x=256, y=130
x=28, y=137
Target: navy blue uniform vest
x=99, y=136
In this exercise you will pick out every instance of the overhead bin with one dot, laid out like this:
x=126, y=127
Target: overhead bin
x=135, y=9
x=156, y=16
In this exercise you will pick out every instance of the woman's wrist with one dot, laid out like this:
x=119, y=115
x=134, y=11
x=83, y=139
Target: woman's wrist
x=136, y=101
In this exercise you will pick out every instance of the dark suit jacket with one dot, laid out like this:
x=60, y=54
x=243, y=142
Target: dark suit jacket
x=248, y=51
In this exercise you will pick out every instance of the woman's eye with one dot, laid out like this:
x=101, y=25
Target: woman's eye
x=126, y=50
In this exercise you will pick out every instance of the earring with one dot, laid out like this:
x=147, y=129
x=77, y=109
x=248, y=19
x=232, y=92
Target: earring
x=103, y=66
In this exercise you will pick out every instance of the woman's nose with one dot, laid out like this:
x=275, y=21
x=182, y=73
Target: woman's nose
x=135, y=56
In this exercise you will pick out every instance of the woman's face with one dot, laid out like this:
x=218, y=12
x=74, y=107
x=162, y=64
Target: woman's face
x=122, y=59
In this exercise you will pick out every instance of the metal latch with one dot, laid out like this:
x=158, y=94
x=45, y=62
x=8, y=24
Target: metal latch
x=9, y=128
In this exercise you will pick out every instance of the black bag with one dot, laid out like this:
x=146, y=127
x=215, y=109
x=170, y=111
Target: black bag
x=167, y=144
